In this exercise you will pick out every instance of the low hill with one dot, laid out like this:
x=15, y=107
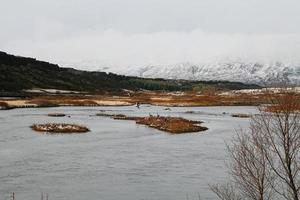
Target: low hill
x=20, y=73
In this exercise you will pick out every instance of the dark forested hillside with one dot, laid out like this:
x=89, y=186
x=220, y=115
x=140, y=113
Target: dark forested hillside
x=19, y=73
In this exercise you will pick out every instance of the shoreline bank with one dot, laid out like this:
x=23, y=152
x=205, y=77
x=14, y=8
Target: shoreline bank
x=188, y=99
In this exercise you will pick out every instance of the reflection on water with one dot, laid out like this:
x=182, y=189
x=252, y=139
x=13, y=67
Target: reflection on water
x=117, y=159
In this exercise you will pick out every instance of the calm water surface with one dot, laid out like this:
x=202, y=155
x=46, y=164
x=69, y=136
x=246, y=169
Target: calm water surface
x=117, y=159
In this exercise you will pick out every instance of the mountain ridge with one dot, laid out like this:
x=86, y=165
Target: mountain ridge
x=20, y=73
x=249, y=73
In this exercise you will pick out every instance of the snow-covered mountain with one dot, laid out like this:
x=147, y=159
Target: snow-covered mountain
x=234, y=71
x=263, y=74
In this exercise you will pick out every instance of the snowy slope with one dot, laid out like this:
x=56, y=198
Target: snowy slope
x=264, y=74
x=234, y=71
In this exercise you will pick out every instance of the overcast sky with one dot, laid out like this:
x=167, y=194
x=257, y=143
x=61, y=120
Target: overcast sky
x=140, y=32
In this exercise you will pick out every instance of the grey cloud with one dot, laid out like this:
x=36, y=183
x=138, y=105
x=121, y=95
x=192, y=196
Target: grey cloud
x=214, y=28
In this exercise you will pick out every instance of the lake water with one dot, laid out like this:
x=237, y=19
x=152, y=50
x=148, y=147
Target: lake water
x=117, y=159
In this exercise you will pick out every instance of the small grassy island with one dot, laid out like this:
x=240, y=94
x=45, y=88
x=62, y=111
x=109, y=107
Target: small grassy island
x=60, y=128
x=241, y=115
x=56, y=115
x=175, y=125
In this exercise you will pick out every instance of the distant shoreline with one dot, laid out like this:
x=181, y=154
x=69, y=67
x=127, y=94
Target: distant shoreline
x=169, y=99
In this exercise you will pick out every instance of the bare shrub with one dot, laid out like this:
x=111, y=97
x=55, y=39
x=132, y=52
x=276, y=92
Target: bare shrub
x=264, y=161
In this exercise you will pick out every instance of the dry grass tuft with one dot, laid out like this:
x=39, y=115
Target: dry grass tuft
x=43, y=103
x=4, y=105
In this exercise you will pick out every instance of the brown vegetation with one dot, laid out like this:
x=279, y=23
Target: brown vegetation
x=171, y=124
x=288, y=102
x=195, y=99
x=116, y=116
x=59, y=128
x=4, y=105
x=147, y=97
x=168, y=124
x=56, y=114
x=240, y=115
x=61, y=101
x=42, y=103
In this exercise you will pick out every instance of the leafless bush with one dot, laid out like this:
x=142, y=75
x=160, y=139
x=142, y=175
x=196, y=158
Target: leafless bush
x=264, y=161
